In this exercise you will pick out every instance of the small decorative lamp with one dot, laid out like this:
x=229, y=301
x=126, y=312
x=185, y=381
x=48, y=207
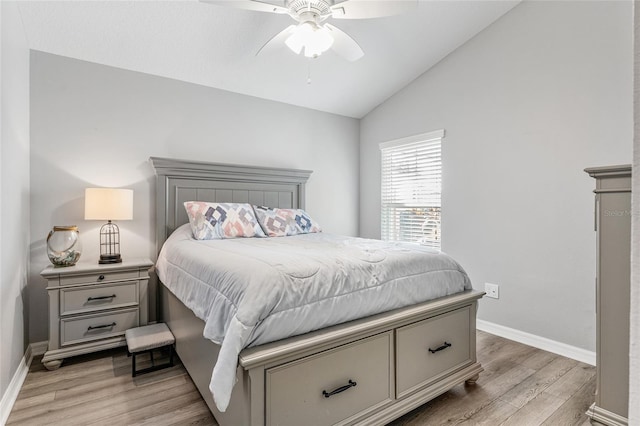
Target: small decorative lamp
x=108, y=204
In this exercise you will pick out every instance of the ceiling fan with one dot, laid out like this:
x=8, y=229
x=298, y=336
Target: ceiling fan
x=310, y=35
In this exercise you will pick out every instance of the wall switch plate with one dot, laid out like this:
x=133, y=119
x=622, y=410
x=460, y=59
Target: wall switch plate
x=492, y=290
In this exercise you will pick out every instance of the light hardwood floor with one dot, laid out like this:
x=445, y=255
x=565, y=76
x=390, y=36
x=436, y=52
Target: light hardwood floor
x=520, y=386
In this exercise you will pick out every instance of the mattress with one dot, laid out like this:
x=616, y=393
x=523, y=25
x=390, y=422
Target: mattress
x=250, y=291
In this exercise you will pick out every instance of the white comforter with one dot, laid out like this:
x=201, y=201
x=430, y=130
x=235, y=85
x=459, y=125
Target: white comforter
x=250, y=291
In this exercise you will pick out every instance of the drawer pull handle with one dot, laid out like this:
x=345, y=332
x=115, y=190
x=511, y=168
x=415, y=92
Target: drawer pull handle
x=340, y=389
x=101, y=277
x=113, y=296
x=441, y=348
x=95, y=327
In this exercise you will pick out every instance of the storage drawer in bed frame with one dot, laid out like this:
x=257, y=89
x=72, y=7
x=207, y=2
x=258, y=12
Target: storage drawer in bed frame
x=333, y=386
x=431, y=348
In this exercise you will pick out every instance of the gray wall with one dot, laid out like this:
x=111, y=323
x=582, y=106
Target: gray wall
x=93, y=125
x=14, y=192
x=527, y=104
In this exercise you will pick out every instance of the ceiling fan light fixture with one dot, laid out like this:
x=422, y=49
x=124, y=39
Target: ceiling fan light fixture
x=308, y=34
x=311, y=37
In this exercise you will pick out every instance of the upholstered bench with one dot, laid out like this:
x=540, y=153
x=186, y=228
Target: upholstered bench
x=146, y=339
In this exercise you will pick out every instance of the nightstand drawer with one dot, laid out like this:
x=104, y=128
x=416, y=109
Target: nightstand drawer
x=76, y=300
x=94, y=327
x=99, y=277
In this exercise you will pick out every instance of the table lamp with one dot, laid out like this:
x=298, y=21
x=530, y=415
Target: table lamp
x=108, y=204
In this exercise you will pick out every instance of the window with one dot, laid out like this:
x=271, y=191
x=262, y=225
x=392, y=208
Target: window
x=411, y=189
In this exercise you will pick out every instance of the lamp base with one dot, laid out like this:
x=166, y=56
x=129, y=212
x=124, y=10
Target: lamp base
x=110, y=258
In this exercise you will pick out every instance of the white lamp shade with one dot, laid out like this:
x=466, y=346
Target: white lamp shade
x=108, y=204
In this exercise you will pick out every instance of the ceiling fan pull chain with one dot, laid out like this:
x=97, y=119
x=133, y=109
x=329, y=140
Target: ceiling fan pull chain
x=309, y=71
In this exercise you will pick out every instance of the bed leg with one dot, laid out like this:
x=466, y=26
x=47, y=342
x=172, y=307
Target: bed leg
x=472, y=380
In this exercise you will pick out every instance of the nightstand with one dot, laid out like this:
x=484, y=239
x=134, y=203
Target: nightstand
x=92, y=305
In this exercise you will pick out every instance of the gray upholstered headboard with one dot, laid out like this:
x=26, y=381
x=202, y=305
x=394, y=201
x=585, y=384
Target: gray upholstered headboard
x=178, y=181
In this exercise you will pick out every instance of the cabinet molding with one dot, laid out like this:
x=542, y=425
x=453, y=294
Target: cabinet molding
x=613, y=288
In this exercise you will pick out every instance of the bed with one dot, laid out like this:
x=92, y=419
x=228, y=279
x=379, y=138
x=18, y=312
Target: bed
x=367, y=370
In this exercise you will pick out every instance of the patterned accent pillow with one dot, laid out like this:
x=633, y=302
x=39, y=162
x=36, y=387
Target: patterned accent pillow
x=216, y=221
x=285, y=222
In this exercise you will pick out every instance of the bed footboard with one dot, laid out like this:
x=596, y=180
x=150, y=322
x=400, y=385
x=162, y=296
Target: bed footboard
x=368, y=371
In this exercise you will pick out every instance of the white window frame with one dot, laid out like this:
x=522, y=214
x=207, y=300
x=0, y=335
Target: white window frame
x=418, y=202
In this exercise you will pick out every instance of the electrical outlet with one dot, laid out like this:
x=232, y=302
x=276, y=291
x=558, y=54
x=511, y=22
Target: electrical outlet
x=492, y=290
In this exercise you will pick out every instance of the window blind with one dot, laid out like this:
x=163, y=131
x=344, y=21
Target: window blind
x=411, y=189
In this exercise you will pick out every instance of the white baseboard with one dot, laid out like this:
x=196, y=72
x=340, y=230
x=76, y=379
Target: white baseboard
x=579, y=354
x=12, y=391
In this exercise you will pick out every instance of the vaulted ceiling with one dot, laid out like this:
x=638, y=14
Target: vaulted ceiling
x=216, y=46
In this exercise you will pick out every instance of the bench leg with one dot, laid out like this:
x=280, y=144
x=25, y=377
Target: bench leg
x=153, y=367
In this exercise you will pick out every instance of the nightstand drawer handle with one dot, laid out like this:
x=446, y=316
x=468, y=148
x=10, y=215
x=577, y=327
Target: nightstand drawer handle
x=101, y=277
x=113, y=296
x=95, y=327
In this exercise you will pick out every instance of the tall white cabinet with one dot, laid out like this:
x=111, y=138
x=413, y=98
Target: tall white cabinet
x=613, y=228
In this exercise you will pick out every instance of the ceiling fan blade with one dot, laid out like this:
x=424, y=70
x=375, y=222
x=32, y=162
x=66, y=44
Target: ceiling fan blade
x=344, y=45
x=365, y=9
x=277, y=41
x=257, y=5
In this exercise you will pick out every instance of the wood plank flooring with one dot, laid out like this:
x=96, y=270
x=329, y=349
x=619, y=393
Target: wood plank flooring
x=520, y=386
